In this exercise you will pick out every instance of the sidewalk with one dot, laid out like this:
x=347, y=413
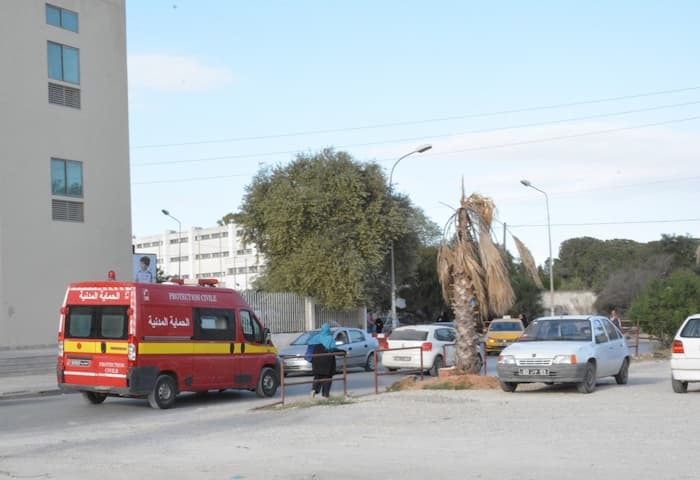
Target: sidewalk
x=28, y=372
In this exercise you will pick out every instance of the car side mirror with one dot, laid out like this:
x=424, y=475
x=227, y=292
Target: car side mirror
x=268, y=336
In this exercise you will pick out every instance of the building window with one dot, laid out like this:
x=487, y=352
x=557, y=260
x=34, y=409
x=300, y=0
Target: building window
x=62, y=18
x=63, y=63
x=67, y=181
x=66, y=178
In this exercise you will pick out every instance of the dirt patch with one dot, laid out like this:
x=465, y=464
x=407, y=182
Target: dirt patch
x=451, y=382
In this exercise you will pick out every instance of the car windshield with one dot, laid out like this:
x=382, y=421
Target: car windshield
x=505, y=327
x=577, y=330
x=409, y=334
x=304, y=338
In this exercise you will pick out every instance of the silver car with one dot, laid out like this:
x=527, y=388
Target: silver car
x=358, y=345
x=577, y=349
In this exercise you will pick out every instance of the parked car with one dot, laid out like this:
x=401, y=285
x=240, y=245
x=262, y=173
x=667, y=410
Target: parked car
x=578, y=349
x=502, y=332
x=434, y=343
x=358, y=345
x=685, y=354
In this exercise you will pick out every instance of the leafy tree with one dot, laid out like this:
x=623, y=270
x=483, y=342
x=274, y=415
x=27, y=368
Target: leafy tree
x=665, y=303
x=423, y=294
x=324, y=223
x=624, y=285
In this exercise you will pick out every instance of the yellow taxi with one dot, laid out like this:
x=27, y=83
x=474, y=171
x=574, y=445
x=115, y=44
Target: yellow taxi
x=502, y=332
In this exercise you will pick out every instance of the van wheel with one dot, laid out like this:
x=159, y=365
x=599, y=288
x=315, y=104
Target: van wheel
x=94, y=398
x=267, y=383
x=163, y=394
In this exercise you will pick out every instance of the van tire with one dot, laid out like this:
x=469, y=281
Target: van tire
x=94, y=397
x=163, y=394
x=267, y=383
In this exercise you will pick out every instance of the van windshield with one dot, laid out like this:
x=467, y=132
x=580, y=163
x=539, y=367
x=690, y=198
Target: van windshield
x=108, y=322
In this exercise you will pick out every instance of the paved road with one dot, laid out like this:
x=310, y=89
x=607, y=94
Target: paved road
x=636, y=431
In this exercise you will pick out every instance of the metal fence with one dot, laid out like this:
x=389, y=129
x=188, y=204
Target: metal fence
x=284, y=312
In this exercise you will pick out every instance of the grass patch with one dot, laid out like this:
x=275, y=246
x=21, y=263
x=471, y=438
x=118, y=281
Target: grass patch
x=332, y=401
x=459, y=385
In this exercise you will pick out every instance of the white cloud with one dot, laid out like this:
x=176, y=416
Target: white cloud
x=173, y=73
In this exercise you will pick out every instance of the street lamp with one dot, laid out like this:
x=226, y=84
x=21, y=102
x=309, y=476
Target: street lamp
x=551, y=259
x=419, y=149
x=179, y=241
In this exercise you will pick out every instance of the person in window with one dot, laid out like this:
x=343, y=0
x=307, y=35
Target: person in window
x=323, y=366
x=144, y=275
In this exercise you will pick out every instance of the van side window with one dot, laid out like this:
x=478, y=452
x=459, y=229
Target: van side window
x=211, y=324
x=252, y=331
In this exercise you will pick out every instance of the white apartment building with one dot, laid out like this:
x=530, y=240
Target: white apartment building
x=65, y=212
x=215, y=252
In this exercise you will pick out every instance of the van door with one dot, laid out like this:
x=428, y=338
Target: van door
x=213, y=349
x=95, y=345
x=252, y=348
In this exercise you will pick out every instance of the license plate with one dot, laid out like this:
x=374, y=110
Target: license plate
x=533, y=371
x=402, y=359
x=78, y=362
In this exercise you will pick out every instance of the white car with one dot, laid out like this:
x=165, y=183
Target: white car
x=428, y=346
x=576, y=349
x=685, y=354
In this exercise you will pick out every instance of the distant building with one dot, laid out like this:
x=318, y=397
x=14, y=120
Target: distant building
x=65, y=212
x=215, y=252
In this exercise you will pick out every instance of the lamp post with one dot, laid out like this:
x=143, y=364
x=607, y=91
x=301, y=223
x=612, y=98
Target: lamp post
x=179, y=241
x=527, y=183
x=419, y=149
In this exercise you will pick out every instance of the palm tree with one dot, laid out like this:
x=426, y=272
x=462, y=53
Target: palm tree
x=473, y=275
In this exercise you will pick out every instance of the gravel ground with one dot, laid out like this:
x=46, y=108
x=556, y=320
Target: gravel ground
x=636, y=431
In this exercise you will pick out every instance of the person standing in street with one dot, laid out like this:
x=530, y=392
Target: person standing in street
x=323, y=366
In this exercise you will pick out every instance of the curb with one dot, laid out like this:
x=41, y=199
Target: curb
x=29, y=394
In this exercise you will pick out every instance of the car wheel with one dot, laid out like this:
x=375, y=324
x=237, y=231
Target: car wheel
x=369, y=364
x=508, y=386
x=437, y=365
x=479, y=363
x=678, y=386
x=267, y=383
x=163, y=394
x=94, y=398
x=588, y=383
x=624, y=373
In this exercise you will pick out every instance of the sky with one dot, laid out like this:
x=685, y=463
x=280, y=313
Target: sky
x=596, y=103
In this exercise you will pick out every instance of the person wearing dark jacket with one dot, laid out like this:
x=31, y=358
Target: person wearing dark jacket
x=323, y=366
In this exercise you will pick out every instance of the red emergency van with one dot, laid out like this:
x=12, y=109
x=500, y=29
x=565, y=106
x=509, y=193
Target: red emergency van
x=154, y=341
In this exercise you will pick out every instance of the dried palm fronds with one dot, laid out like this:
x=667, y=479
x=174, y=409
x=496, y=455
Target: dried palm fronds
x=528, y=261
x=500, y=291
